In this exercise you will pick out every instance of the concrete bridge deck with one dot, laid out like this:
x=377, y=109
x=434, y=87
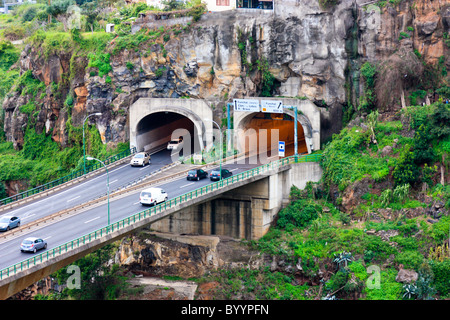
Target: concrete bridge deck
x=264, y=188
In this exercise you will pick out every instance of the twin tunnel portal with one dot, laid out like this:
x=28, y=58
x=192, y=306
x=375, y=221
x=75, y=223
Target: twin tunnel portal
x=154, y=122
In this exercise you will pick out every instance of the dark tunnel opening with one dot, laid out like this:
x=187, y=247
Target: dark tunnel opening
x=156, y=130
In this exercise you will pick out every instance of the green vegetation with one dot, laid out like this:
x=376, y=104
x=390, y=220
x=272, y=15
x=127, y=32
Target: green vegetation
x=384, y=3
x=367, y=100
x=328, y=3
x=8, y=75
x=268, y=83
x=98, y=281
x=268, y=80
x=41, y=159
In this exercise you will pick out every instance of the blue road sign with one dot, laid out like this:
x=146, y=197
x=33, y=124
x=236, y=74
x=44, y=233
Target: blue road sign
x=281, y=148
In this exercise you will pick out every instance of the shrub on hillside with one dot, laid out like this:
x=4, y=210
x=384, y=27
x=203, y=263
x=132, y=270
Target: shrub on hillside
x=441, y=272
x=299, y=213
x=8, y=55
x=406, y=171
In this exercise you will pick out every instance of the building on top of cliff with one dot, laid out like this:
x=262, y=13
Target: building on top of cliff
x=155, y=3
x=7, y=5
x=222, y=5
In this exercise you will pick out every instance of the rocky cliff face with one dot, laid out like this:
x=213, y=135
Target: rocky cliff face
x=186, y=256
x=407, y=42
x=310, y=51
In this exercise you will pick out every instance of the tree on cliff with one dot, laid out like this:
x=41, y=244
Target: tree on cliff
x=59, y=9
x=91, y=11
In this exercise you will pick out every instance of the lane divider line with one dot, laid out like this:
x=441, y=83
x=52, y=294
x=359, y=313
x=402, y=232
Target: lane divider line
x=92, y=219
x=73, y=199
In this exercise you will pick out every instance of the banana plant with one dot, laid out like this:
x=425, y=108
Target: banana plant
x=343, y=258
x=410, y=291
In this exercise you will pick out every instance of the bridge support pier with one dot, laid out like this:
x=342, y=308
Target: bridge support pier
x=244, y=213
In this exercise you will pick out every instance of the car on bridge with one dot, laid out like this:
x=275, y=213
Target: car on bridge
x=33, y=244
x=140, y=159
x=9, y=222
x=196, y=174
x=217, y=175
x=152, y=196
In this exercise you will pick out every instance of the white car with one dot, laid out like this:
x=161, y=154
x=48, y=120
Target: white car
x=175, y=144
x=152, y=196
x=140, y=159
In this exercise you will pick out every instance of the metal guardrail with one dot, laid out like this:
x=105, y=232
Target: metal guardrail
x=67, y=178
x=71, y=245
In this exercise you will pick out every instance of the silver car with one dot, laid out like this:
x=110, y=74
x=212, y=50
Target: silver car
x=9, y=222
x=140, y=159
x=33, y=244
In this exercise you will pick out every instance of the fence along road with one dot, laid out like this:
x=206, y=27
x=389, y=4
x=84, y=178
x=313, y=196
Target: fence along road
x=144, y=217
x=64, y=180
x=83, y=189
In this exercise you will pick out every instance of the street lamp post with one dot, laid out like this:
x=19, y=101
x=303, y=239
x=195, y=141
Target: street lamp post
x=221, y=147
x=84, y=145
x=294, y=108
x=107, y=182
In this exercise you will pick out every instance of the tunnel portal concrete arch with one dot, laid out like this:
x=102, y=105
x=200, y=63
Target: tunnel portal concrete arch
x=195, y=110
x=308, y=128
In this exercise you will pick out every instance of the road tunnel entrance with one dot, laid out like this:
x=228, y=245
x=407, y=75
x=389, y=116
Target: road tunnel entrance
x=156, y=130
x=261, y=132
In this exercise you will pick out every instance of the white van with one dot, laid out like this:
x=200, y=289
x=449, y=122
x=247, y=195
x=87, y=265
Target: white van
x=175, y=144
x=152, y=196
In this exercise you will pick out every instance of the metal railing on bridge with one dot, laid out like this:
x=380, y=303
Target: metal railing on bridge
x=51, y=253
x=67, y=178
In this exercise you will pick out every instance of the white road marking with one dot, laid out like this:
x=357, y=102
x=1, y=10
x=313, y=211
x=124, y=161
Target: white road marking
x=92, y=220
x=136, y=203
x=26, y=217
x=47, y=238
x=73, y=199
x=187, y=185
x=68, y=190
x=114, y=181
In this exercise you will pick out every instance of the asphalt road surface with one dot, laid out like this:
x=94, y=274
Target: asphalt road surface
x=92, y=219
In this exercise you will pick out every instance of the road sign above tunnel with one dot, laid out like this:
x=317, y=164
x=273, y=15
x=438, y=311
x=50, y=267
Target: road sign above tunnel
x=272, y=106
x=246, y=105
x=253, y=105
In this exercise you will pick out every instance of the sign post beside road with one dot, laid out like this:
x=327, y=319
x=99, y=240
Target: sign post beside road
x=281, y=148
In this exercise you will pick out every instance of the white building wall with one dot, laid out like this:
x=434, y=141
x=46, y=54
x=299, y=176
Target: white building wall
x=211, y=5
x=155, y=3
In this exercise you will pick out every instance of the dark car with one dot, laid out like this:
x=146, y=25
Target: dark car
x=9, y=222
x=215, y=174
x=33, y=244
x=196, y=174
